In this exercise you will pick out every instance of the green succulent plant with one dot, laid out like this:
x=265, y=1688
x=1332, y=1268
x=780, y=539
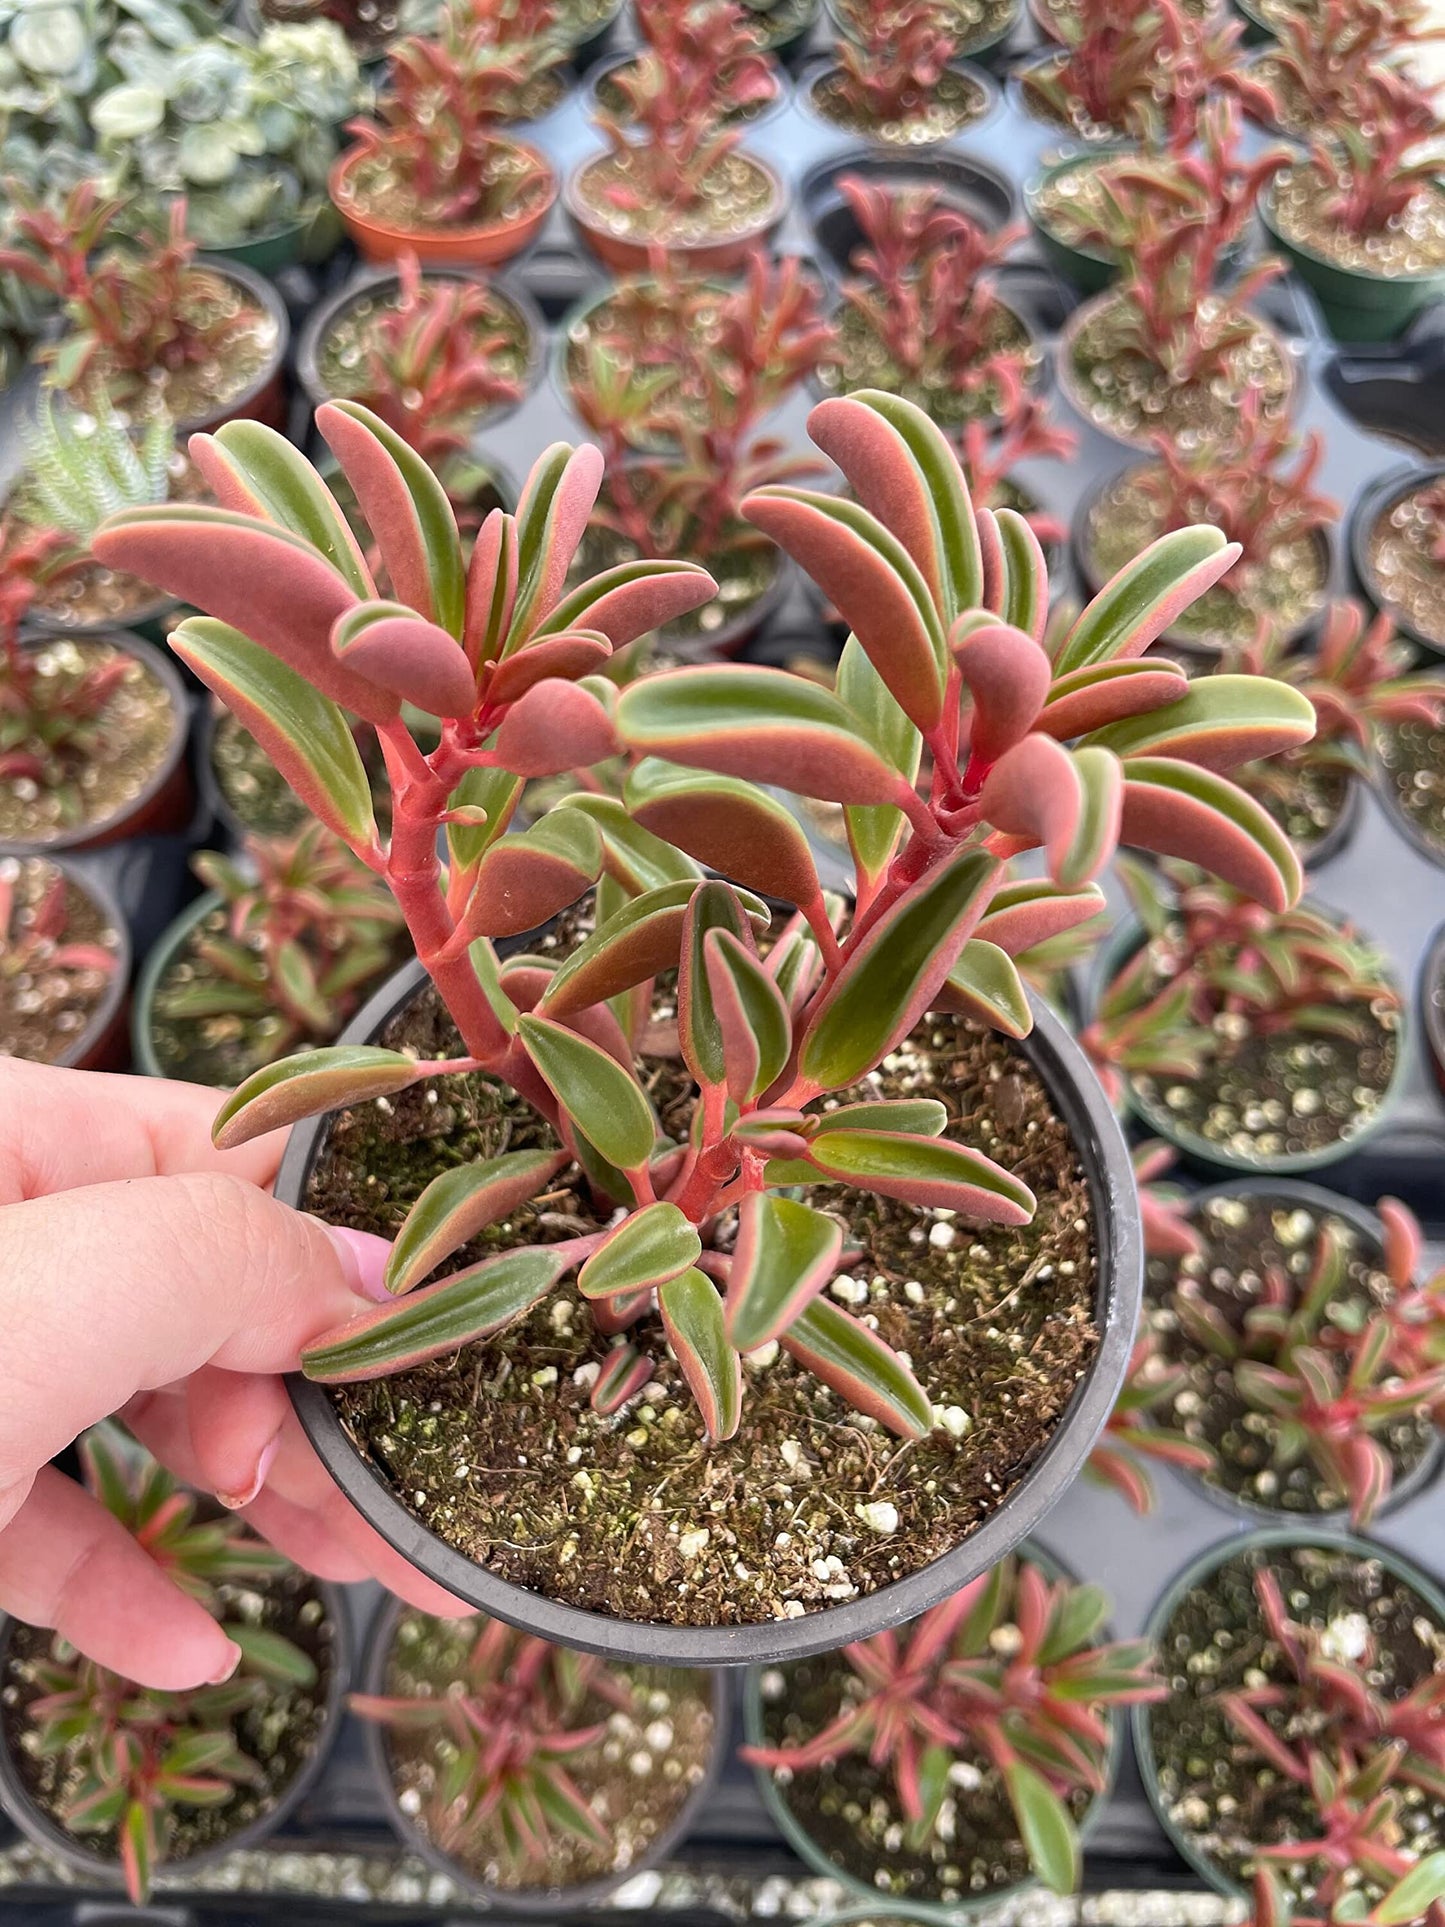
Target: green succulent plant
x=82, y=467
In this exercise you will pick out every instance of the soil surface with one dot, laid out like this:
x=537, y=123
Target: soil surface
x=281, y=1734
x=1212, y=1786
x=45, y=1007
x=956, y=101
x=610, y=95
x=1244, y=1238
x=636, y=1779
x=1283, y=590
x=861, y=359
x=1412, y=765
x=128, y=745
x=1412, y=244
x=341, y=354
x=1305, y=798
x=1401, y=550
x=739, y=199
x=200, y=390
x=1070, y=204
x=511, y=192
x=498, y=1451
x=1127, y=394
x=776, y=22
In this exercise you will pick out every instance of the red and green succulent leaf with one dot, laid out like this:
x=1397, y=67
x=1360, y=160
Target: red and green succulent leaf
x=406, y=655
x=755, y=1028
x=309, y=1084
x=460, y=1202
x=692, y=1316
x=600, y=1096
x=1146, y=597
x=252, y=471
x=732, y=826
x=932, y=1173
x=985, y=985
x=713, y=907
x=643, y=1252
x=526, y=877
x=860, y=1367
x=785, y=1254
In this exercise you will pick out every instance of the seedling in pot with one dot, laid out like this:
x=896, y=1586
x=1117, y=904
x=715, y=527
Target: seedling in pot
x=894, y=78
x=1000, y=1690
x=145, y=1777
x=1256, y=483
x=699, y=1217
x=1256, y=1039
x=1323, y=54
x=920, y=315
x=59, y=953
x=302, y=932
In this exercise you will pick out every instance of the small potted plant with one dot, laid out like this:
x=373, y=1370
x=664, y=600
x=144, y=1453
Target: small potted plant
x=1251, y=1040
x=959, y=1759
x=1302, y=1734
x=920, y=314
x=1371, y=712
x=1023, y=430
x=1397, y=544
x=1362, y=218
x=674, y=178
x=281, y=951
x=1119, y=73
x=752, y=81
x=896, y=75
x=1256, y=482
x=151, y=327
x=539, y=1778
x=125, y=1783
x=64, y=965
x=977, y=29
x=434, y=174
x=1167, y=350
x=1319, y=55
x=829, y=1011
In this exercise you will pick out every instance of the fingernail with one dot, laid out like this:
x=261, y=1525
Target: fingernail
x=233, y=1501
x=225, y=1672
x=363, y=1259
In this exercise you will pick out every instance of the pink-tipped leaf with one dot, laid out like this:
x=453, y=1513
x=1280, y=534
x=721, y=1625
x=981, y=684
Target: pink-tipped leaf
x=401, y=652
x=1008, y=676
x=556, y=726
x=525, y=878
x=1178, y=809
x=1069, y=802
x=1218, y=722
x=631, y=599
x=692, y=1316
x=931, y=1173
x=599, y=1095
x=551, y=517
x=644, y=1251
x=856, y=1364
x=638, y=941
x=874, y=831
x=252, y=470
x=1033, y=910
x=491, y=588
x=732, y=826
x=624, y=1372
x=307, y=1084
x=568, y=657
x=1107, y=692
x=459, y=1203
x=753, y=1022
x=1147, y=596
x=985, y=986
x=1025, y=601
x=785, y=1254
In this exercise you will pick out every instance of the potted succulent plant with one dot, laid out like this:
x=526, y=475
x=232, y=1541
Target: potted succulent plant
x=1362, y=218
x=1409, y=768
x=782, y=28
x=64, y=966
x=281, y=951
x=1432, y=1003
x=977, y=29
x=1256, y=482
x=1291, y=1352
x=539, y=1778
x=151, y=326
x=920, y=314
x=125, y=1783
x=1318, y=55
x=674, y=178
x=1167, y=350
x=682, y=444
x=960, y=1758
x=896, y=74
x=245, y=134
x=828, y=1009
x=1303, y=1722
x=752, y=81
x=1370, y=711
x=1023, y=430
x=434, y=174
x=1397, y=544
x=1068, y=203
x=1260, y=1041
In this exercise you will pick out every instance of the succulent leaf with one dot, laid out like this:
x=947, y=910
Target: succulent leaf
x=603, y=1099
x=857, y=1364
x=785, y=1254
x=307, y=1084
x=460, y=1202
x=643, y=1252
x=692, y=1315
x=985, y=986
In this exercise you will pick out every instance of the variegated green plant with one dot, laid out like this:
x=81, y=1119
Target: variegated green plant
x=1066, y=752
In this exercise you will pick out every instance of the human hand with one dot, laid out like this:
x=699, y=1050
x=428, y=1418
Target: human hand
x=146, y=1274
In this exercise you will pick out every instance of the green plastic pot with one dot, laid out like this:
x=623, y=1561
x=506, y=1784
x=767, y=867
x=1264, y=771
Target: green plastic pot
x=881, y=1907
x=311, y=239
x=1357, y=306
x=160, y=959
x=1201, y=1569
x=1087, y=270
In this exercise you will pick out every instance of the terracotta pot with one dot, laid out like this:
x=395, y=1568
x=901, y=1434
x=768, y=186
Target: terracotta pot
x=455, y=245
x=623, y=255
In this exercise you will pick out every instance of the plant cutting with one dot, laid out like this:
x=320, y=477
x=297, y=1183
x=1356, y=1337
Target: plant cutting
x=1302, y=1731
x=920, y=314
x=958, y=1757
x=681, y=443
x=1256, y=483
x=1253, y=1039
x=281, y=952
x=433, y=174
x=674, y=179
x=539, y=1777
x=1322, y=53
x=126, y=1782
x=1362, y=219
x=64, y=959
x=897, y=75
x=1167, y=350
x=1397, y=540
x=1370, y=709
x=678, y=1190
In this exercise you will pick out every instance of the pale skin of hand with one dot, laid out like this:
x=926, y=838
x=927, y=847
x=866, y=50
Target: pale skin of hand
x=145, y=1274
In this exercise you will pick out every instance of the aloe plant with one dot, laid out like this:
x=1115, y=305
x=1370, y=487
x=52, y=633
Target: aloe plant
x=948, y=613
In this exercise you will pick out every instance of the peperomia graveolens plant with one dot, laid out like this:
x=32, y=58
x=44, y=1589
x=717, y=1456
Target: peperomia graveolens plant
x=1067, y=752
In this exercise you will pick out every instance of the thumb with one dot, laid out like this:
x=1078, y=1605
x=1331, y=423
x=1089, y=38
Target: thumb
x=120, y=1288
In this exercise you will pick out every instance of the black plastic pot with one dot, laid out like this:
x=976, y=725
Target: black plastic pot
x=547, y=1903
x=101, y=1045
x=1432, y=1003
x=819, y=70
x=1374, y=500
x=1356, y=306
x=1400, y=819
x=1101, y=1149
x=789, y=39
x=1198, y=1571
x=264, y=398
x=52, y=1839
x=1397, y=390
x=970, y=186
x=369, y=280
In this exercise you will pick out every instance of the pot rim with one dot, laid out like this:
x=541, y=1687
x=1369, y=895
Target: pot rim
x=368, y=278
x=455, y=233
x=1065, y=162
x=1426, y=278
x=1035, y=339
x=92, y=884
x=268, y=296
x=1199, y=1568
x=1432, y=1014
x=1099, y=1144
x=823, y=64
x=51, y=1837
x=939, y=159
x=87, y=836
x=1119, y=945
x=158, y=959
x=540, y=1901
x=808, y=1850
x=1376, y=496
x=578, y=211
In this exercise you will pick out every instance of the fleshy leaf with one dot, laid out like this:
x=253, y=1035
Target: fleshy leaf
x=1068, y=801
x=627, y=601
x=525, y=878
x=460, y=1202
x=733, y=827
x=857, y=1364
x=640, y=940
x=1218, y=722
x=632, y=855
x=1008, y=676
x=603, y=1100
x=1032, y=910
x=933, y=1173
x=1026, y=597
x=556, y=726
x=751, y=1014
x=496, y=793
x=1178, y=809
x=1136, y=606
x=567, y=657
x=1107, y=692
x=1050, y=1838
x=307, y=1084
x=874, y=830
x=785, y=1253
x=551, y=518
x=397, y=650
x=921, y=1116
x=252, y=470
x=985, y=986
x=713, y=906
x=646, y=1249
x=692, y=1316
